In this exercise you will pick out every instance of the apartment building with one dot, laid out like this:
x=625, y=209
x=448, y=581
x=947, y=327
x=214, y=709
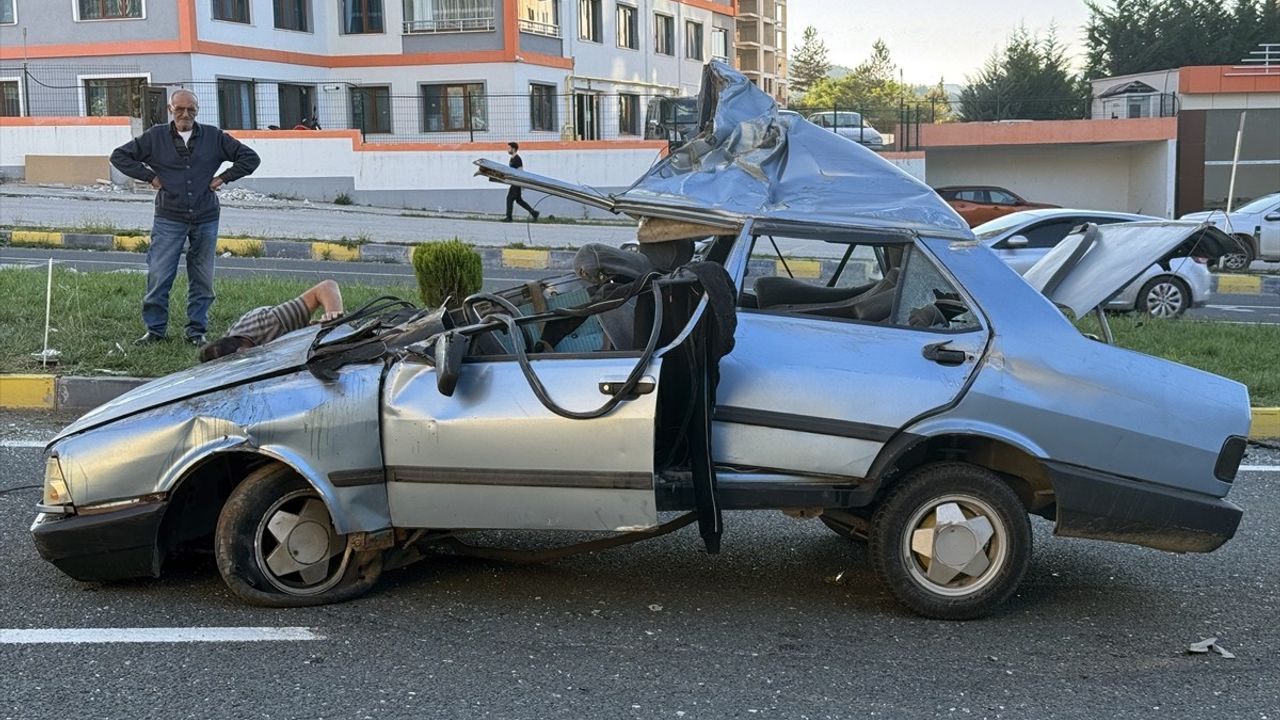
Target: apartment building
x=398, y=70
x=760, y=48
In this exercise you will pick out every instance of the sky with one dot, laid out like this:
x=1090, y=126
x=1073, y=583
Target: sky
x=931, y=39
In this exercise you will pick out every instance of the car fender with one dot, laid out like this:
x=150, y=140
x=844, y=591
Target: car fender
x=941, y=425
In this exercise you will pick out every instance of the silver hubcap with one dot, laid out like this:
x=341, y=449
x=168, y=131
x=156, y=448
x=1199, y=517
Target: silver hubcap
x=297, y=547
x=1164, y=300
x=955, y=545
x=1234, y=262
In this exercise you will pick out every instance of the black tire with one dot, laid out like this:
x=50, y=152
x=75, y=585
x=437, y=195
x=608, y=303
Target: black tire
x=1239, y=261
x=1164, y=297
x=245, y=539
x=919, y=499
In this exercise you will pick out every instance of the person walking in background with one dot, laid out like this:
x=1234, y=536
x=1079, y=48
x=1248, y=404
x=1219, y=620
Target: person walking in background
x=181, y=162
x=513, y=192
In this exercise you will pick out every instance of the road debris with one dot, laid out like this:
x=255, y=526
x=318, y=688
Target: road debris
x=1204, y=646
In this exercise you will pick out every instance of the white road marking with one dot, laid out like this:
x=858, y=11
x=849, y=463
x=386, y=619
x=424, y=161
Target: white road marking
x=1260, y=468
x=155, y=635
x=23, y=443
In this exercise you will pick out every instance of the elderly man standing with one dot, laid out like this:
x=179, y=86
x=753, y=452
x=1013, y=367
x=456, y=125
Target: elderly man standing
x=181, y=162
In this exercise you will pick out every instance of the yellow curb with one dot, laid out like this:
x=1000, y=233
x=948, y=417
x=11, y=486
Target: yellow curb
x=27, y=391
x=1239, y=284
x=527, y=259
x=1266, y=423
x=131, y=243
x=799, y=268
x=334, y=251
x=36, y=237
x=240, y=247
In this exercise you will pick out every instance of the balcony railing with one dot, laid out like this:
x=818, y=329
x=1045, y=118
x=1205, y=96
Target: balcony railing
x=539, y=28
x=452, y=23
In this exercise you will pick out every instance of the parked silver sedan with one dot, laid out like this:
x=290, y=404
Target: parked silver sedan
x=916, y=393
x=1021, y=239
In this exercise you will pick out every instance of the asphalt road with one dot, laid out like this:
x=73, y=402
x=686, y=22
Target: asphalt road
x=1225, y=308
x=788, y=622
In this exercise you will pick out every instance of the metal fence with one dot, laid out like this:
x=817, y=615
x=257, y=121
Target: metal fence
x=438, y=112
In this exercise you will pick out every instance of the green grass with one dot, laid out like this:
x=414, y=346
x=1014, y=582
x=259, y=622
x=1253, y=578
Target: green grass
x=1246, y=353
x=92, y=312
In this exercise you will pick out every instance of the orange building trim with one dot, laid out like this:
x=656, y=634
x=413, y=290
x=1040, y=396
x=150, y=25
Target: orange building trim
x=58, y=121
x=731, y=10
x=359, y=146
x=148, y=47
x=1204, y=79
x=1047, y=132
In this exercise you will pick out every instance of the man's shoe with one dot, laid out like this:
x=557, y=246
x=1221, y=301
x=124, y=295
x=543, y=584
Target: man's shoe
x=506, y=219
x=535, y=215
x=149, y=339
x=196, y=340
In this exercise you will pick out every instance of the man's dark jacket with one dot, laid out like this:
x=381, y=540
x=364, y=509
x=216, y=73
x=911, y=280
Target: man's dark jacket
x=184, y=193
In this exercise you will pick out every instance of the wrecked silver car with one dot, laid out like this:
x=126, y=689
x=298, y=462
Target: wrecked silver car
x=910, y=389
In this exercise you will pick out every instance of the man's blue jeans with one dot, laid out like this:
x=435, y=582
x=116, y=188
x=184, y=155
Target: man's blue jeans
x=168, y=238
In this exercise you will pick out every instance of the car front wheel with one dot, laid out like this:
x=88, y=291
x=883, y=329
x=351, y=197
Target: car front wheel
x=1164, y=297
x=276, y=545
x=951, y=542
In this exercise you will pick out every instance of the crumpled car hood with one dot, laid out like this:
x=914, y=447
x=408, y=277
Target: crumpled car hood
x=1088, y=267
x=281, y=357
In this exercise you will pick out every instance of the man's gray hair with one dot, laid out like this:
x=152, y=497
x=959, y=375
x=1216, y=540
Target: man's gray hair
x=183, y=91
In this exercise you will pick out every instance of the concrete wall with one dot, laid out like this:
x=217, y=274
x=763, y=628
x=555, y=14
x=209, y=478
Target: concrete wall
x=1126, y=177
x=95, y=137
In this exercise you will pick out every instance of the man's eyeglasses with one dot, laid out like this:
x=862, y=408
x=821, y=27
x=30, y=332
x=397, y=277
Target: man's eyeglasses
x=185, y=110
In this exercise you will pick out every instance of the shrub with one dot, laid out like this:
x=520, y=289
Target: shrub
x=447, y=270
x=342, y=199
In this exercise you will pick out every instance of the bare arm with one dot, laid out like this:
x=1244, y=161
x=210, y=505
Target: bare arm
x=324, y=294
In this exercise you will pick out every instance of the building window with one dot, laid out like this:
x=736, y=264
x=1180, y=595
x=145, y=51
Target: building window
x=297, y=106
x=231, y=10
x=371, y=109
x=628, y=29
x=8, y=14
x=454, y=107
x=589, y=21
x=116, y=97
x=436, y=16
x=109, y=9
x=542, y=107
x=237, y=109
x=540, y=17
x=664, y=34
x=10, y=99
x=293, y=15
x=693, y=40
x=361, y=17
x=720, y=44
x=628, y=114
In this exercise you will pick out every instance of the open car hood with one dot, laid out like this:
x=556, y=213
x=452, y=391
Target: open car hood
x=280, y=357
x=1094, y=263
x=747, y=161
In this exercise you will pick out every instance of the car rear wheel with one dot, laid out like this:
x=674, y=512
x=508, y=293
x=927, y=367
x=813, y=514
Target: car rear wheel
x=1164, y=297
x=1238, y=260
x=276, y=545
x=951, y=542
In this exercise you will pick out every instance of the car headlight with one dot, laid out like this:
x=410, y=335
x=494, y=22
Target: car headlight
x=55, y=484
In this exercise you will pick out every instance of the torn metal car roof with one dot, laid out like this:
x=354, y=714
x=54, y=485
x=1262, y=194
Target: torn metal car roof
x=748, y=161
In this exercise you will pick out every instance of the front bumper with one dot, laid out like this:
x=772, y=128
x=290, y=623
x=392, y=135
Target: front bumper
x=1100, y=506
x=103, y=546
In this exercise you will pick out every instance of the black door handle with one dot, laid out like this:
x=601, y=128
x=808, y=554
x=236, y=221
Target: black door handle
x=943, y=355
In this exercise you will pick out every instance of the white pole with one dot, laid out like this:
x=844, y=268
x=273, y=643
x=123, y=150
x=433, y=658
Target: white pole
x=48, y=302
x=1235, y=161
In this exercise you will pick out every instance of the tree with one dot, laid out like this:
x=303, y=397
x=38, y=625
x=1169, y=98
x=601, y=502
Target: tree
x=871, y=89
x=1029, y=79
x=938, y=102
x=1132, y=36
x=810, y=63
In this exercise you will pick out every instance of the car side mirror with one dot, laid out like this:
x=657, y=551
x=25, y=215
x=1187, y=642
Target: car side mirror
x=451, y=347
x=1016, y=241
